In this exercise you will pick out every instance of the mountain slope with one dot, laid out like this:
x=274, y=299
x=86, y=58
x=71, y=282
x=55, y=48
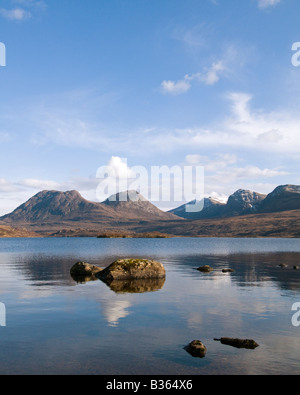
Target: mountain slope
x=243, y=202
x=211, y=209
x=64, y=210
x=283, y=198
x=52, y=206
x=240, y=203
x=132, y=205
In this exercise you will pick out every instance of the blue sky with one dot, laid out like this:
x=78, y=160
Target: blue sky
x=160, y=82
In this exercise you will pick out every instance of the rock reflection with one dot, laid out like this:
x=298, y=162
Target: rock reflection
x=81, y=279
x=136, y=286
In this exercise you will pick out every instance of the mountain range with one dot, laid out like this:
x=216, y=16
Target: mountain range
x=243, y=202
x=246, y=213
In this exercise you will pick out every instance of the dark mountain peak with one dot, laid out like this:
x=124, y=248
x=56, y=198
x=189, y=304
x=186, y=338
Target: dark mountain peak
x=283, y=189
x=247, y=195
x=48, y=204
x=243, y=200
x=211, y=209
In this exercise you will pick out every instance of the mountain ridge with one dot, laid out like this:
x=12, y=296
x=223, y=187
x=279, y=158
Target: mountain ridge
x=68, y=213
x=244, y=202
x=56, y=207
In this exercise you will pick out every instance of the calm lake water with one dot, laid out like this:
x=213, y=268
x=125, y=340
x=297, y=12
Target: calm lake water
x=56, y=325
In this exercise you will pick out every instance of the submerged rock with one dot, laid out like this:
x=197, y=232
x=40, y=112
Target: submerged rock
x=84, y=269
x=205, y=269
x=238, y=343
x=196, y=348
x=130, y=269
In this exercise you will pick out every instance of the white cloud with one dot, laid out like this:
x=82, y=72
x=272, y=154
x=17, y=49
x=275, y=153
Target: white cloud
x=240, y=106
x=209, y=76
x=39, y=184
x=6, y=186
x=256, y=130
x=17, y=14
x=267, y=3
x=176, y=87
x=212, y=75
x=244, y=127
x=14, y=193
x=120, y=167
x=250, y=172
x=224, y=175
x=22, y=9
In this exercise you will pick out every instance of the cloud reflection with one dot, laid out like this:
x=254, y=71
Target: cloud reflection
x=114, y=309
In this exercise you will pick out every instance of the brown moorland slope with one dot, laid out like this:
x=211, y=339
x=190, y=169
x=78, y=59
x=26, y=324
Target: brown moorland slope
x=10, y=232
x=283, y=224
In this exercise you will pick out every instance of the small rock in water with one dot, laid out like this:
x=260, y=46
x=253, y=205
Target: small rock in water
x=296, y=267
x=238, y=343
x=227, y=270
x=83, y=268
x=205, y=269
x=283, y=265
x=196, y=348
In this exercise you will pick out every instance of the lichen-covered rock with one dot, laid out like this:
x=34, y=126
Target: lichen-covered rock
x=84, y=269
x=130, y=269
x=196, y=348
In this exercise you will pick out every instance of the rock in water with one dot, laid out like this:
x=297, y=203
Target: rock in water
x=130, y=269
x=84, y=269
x=227, y=271
x=239, y=343
x=205, y=269
x=196, y=348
